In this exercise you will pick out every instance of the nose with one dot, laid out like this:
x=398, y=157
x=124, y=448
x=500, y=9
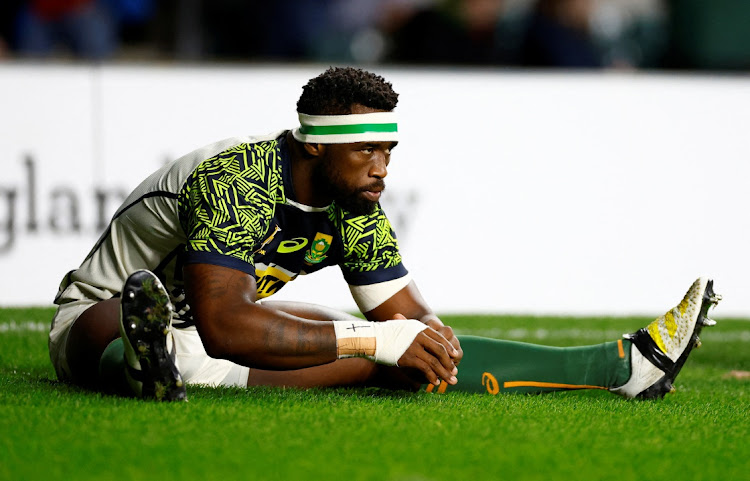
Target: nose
x=379, y=168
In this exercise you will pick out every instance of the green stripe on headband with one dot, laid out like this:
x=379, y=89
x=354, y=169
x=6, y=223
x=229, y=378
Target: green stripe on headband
x=347, y=129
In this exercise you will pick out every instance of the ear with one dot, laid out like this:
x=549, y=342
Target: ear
x=315, y=150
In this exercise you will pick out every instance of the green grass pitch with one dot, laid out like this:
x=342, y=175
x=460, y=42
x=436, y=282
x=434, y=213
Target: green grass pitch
x=54, y=431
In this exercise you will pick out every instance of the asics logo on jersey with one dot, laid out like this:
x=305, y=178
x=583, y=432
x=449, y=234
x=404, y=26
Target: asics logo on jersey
x=292, y=245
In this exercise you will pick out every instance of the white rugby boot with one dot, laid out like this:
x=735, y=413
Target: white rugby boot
x=145, y=319
x=659, y=351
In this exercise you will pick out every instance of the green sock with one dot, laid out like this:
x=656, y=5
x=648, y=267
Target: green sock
x=112, y=367
x=498, y=366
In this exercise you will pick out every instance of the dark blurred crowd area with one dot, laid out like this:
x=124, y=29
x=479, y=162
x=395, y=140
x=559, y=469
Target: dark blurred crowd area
x=597, y=34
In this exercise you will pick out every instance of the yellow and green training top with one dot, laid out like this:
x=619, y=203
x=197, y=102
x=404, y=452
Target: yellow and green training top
x=232, y=204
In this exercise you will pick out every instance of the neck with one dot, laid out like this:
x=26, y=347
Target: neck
x=303, y=166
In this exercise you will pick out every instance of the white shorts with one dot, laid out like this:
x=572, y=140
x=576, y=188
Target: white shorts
x=197, y=367
x=194, y=364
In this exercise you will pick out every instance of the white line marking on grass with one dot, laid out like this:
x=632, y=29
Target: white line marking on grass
x=493, y=332
x=14, y=326
x=589, y=334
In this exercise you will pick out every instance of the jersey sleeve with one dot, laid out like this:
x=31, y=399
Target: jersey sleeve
x=226, y=207
x=371, y=252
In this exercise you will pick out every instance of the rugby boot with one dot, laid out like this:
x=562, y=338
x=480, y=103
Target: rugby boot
x=145, y=321
x=659, y=351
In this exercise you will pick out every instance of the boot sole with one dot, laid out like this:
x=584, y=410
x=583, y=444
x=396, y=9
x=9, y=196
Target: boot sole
x=146, y=318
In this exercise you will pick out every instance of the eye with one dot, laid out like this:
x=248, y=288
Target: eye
x=367, y=150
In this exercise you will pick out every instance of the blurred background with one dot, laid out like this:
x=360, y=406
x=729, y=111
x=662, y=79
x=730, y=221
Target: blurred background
x=557, y=156
x=591, y=34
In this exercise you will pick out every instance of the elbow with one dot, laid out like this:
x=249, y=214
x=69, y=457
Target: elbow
x=222, y=345
x=216, y=348
x=216, y=343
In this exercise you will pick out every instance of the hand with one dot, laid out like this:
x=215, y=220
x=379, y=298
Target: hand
x=447, y=333
x=432, y=354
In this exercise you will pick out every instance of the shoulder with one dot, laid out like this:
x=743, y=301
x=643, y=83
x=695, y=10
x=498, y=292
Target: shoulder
x=370, y=248
x=230, y=144
x=243, y=164
x=242, y=176
x=371, y=232
x=342, y=218
x=243, y=151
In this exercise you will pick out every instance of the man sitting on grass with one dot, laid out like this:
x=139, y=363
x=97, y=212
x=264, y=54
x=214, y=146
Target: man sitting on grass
x=175, y=290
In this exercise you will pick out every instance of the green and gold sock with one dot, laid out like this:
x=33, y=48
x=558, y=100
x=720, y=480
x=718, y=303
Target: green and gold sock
x=497, y=366
x=112, y=366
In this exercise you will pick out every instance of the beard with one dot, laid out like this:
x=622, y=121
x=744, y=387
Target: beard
x=328, y=180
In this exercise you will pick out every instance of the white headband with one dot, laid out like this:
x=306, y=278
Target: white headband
x=347, y=129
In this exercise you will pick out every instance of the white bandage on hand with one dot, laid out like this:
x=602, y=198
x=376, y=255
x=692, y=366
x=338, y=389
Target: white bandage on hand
x=382, y=342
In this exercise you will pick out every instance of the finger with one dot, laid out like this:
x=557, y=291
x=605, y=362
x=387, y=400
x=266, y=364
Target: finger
x=457, y=359
x=399, y=316
x=420, y=355
x=448, y=333
x=436, y=355
x=457, y=346
x=439, y=338
x=411, y=360
x=424, y=368
x=436, y=367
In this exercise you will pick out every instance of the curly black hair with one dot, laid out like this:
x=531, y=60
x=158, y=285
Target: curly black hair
x=335, y=91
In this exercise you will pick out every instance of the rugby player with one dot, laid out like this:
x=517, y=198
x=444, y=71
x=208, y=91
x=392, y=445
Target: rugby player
x=176, y=289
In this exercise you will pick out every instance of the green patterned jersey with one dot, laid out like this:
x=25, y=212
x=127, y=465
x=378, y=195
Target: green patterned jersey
x=236, y=212
x=232, y=204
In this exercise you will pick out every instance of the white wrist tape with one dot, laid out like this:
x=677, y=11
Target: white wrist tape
x=382, y=342
x=394, y=338
x=355, y=339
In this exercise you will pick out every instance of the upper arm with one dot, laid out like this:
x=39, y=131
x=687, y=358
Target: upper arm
x=370, y=248
x=226, y=215
x=370, y=296
x=214, y=293
x=371, y=264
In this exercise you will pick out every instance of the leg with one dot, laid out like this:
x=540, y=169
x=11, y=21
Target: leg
x=313, y=312
x=99, y=325
x=344, y=372
x=127, y=357
x=498, y=366
x=642, y=365
x=89, y=336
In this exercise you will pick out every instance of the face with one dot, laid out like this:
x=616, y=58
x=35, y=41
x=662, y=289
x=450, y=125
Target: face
x=352, y=174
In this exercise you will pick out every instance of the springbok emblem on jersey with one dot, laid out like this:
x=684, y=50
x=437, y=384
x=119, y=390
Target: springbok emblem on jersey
x=318, y=248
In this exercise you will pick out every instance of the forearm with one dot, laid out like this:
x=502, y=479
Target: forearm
x=263, y=338
x=236, y=328
x=233, y=326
